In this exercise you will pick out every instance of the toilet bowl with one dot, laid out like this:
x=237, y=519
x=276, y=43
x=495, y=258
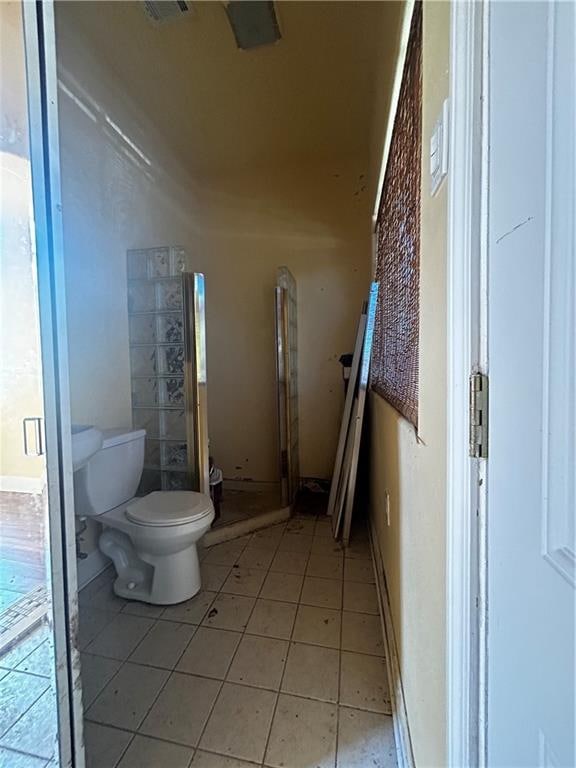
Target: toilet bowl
x=150, y=539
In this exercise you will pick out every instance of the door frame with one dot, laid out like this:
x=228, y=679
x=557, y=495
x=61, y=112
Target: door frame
x=42, y=87
x=467, y=301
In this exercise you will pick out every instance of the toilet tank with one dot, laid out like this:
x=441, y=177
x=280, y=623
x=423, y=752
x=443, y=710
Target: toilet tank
x=112, y=475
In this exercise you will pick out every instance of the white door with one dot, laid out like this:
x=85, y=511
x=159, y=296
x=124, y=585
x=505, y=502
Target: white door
x=531, y=351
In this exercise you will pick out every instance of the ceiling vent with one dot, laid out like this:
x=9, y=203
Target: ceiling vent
x=161, y=11
x=253, y=22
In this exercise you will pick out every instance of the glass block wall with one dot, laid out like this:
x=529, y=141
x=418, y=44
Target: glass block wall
x=156, y=325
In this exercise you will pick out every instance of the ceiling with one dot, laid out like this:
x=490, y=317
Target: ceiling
x=306, y=99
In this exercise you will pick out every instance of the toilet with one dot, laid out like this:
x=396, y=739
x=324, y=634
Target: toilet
x=150, y=539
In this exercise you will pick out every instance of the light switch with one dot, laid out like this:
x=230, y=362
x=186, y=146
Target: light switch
x=439, y=150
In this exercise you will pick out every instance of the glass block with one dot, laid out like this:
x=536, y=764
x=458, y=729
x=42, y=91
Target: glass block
x=138, y=265
x=172, y=392
x=177, y=260
x=171, y=360
x=141, y=297
x=171, y=328
x=148, y=419
x=144, y=392
x=151, y=480
x=143, y=361
x=169, y=294
x=143, y=329
x=152, y=453
x=175, y=481
x=174, y=454
x=158, y=262
x=173, y=424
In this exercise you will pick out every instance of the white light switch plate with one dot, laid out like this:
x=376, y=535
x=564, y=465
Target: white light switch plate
x=439, y=150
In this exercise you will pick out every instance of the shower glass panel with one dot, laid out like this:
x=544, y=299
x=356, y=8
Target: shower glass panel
x=287, y=370
x=163, y=340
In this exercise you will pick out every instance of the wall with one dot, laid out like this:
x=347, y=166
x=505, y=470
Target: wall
x=125, y=186
x=412, y=469
x=20, y=365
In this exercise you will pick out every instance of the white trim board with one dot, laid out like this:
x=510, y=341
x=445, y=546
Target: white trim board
x=14, y=484
x=404, y=753
x=465, y=299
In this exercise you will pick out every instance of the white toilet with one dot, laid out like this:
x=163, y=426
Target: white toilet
x=152, y=539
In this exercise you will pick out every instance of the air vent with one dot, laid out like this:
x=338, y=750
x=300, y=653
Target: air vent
x=161, y=11
x=253, y=22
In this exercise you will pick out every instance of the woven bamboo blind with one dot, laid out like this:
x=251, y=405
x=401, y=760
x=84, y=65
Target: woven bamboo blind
x=394, y=370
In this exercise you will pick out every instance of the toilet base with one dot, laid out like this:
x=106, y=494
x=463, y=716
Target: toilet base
x=155, y=579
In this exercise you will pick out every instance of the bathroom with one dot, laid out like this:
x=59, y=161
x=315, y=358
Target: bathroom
x=236, y=163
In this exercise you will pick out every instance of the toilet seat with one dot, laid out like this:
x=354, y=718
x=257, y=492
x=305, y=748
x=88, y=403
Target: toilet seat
x=169, y=508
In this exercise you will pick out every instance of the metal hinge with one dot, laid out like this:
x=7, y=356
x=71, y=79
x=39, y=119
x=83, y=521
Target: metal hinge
x=478, y=416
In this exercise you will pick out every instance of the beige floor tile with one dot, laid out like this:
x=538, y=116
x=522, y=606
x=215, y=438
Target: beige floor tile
x=210, y=760
x=362, y=633
x=145, y=752
x=239, y=723
x=259, y=661
x=134, y=608
x=312, y=671
x=365, y=739
x=282, y=586
x=128, y=696
x=324, y=593
x=256, y=557
x=191, y=611
x=225, y=554
x=299, y=525
x=269, y=537
x=359, y=597
x=359, y=570
x=303, y=734
x=210, y=652
x=325, y=566
x=213, y=576
x=230, y=612
x=317, y=626
x=289, y=562
x=295, y=542
x=97, y=671
x=244, y=581
x=325, y=545
x=104, y=746
x=163, y=645
x=324, y=527
x=91, y=623
x=120, y=637
x=180, y=712
x=272, y=619
x=359, y=549
x=107, y=600
x=364, y=682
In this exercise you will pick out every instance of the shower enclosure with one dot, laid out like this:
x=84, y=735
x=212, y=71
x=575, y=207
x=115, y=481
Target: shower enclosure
x=167, y=337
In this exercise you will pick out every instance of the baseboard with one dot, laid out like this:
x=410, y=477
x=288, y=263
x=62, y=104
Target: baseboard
x=405, y=755
x=90, y=567
x=13, y=484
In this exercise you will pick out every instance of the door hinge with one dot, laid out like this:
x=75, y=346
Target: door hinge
x=478, y=416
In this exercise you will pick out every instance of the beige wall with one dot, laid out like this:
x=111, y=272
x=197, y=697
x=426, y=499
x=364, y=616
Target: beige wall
x=20, y=366
x=413, y=471
x=125, y=186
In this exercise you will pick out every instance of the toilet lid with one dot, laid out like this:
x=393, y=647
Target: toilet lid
x=169, y=508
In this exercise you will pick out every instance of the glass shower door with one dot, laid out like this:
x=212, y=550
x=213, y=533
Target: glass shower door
x=287, y=374
x=40, y=694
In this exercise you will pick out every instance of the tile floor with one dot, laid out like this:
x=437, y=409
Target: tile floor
x=237, y=505
x=278, y=662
